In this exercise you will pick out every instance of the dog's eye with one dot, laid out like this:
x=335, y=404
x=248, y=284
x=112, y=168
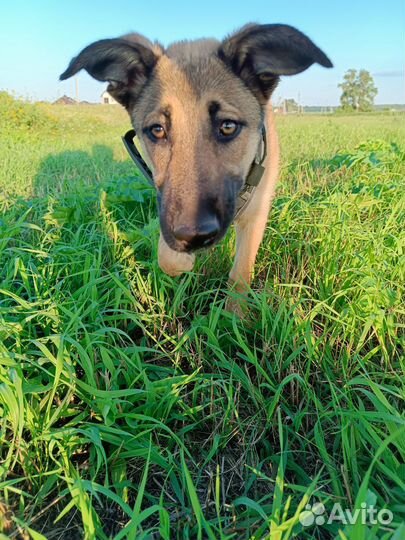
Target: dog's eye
x=228, y=128
x=157, y=131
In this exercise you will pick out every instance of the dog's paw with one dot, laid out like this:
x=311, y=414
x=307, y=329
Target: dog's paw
x=177, y=263
x=237, y=305
x=174, y=263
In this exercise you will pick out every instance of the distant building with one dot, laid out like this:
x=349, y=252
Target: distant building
x=65, y=100
x=106, y=99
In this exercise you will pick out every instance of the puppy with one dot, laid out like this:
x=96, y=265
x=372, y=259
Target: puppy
x=203, y=119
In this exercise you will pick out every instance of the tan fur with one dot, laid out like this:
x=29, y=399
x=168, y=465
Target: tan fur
x=184, y=163
x=251, y=224
x=173, y=263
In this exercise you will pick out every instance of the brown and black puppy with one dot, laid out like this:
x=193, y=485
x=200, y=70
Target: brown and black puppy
x=199, y=108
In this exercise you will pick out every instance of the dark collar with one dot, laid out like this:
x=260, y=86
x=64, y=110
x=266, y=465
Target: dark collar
x=252, y=179
x=128, y=140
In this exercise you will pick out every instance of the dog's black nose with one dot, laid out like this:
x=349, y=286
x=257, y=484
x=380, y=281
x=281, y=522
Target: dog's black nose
x=197, y=237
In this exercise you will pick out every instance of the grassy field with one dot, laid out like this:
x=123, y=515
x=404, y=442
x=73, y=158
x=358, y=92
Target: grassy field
x=133, y=406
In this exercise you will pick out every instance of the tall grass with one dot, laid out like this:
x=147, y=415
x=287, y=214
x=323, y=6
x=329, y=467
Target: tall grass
x=132, y=405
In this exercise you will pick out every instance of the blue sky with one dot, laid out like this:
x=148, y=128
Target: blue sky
x=39, y=38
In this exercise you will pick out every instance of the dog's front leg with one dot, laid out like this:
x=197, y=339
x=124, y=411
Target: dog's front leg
x=173, y=262
x=249, y=234
x=251, y=224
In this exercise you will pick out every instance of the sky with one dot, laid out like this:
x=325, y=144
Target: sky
x=38, y=39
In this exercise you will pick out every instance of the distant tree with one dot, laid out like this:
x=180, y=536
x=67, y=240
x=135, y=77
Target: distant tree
x=358, y=90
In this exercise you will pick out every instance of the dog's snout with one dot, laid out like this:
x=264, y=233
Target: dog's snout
x=198, y=237
x=200, y=220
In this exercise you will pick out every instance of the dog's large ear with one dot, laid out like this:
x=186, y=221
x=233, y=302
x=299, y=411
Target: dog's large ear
x=260, y=53
x=125, y=63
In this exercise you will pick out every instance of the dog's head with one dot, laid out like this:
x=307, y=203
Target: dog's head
x=198, y=109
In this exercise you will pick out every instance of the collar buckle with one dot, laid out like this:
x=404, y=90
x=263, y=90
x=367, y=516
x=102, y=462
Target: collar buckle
x=253, y=178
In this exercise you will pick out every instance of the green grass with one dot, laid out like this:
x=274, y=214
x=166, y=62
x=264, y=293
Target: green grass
x=132, y=405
